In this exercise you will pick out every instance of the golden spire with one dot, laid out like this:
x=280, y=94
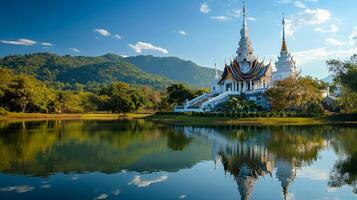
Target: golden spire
x=284, y=46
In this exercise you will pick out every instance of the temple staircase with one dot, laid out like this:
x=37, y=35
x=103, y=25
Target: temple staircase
x=203, y=103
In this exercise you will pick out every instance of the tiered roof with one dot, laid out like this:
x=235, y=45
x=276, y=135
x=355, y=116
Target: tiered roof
x=256, y=72
x=245, y=59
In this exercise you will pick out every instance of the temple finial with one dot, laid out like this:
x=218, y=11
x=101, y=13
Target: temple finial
x=215, y=68
x=284, y=46
x=244, y=14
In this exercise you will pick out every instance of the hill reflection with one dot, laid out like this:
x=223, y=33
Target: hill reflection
x=247, y=153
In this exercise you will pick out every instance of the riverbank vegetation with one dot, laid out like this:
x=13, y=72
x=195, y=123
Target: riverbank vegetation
x=24, y=93
x=293, y=97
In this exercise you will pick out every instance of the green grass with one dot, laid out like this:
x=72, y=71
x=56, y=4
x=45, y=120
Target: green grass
x=89, y=116
x=223, y=121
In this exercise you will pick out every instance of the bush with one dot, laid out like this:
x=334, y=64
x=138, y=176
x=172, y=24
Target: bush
x=3, y=111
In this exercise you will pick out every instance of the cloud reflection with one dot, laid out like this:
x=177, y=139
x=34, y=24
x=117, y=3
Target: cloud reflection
x=17, y=188
x=145, y=183
x=101, y=196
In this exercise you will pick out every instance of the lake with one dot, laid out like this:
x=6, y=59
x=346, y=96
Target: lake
x=78, y=159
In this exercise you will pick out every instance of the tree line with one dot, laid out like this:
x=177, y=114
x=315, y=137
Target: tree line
x=24, y=93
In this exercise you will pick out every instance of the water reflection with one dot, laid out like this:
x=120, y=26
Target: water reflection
x=247, y=154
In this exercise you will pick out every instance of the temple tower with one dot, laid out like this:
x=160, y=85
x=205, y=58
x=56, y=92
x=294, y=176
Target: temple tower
x=285, y=66
x=245, y=50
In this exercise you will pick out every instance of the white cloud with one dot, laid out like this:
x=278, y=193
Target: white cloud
x=46, y=44
x=181, y=32
x=291, y=1
x=221, y=18
x=145, y=183
x=236, y=13
x=353, y=36
x=23, y=42
x=335, y=42
x=321, y=54
x=289, y=28
x=74, y=50
x=315, y=16
x=330, y=29
x=204, y=8
x=284, y=1
x=182, y=196
x=252, y=19
x=140, y=46
x=117, y=36
x=299, y=4
x=102, y=32
x=305, y=18
x=351, y=41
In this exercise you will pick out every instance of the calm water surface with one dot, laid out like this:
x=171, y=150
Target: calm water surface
x=141, y=160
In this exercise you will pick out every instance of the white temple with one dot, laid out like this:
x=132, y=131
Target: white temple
x=285, y=66
x=245, y=76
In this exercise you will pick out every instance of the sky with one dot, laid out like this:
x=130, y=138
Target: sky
x=203, y=31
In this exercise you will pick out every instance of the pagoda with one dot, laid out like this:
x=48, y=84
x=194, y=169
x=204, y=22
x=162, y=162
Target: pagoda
x=285, y=66
x=245, y=76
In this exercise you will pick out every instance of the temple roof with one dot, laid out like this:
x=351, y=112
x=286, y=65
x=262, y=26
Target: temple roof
x=257, y=71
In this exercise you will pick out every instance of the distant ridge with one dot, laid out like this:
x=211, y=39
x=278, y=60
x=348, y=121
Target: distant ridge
x=142, y=70
x=175, y=69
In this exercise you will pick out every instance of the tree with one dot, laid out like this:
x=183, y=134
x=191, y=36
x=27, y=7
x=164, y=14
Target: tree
x=121, y=104
x=5, y=80
x=178, y=94
x=29, y=94
x=346, y=72
x=283, y=94
x=346, y=79
x=295, y=93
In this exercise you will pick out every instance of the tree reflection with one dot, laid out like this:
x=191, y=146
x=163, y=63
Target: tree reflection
x=45, y=147
x=344, y=171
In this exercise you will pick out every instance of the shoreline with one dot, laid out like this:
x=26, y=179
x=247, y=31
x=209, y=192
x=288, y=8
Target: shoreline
x=179, y=120
x=183, y=120
x=85, y=116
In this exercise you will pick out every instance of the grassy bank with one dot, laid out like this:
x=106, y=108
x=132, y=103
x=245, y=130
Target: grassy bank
x=222, y=121
x=87, y=116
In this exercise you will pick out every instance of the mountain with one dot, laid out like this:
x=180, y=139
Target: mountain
x=329, y=78
x=145, y=70
x=175, y=69
x=112, y=71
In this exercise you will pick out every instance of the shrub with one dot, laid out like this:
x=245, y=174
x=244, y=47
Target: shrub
x=3, y=111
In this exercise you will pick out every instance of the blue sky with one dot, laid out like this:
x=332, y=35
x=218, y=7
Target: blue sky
x=202, y=31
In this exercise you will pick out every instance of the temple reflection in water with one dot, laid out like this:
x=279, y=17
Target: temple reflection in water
x=247, y=155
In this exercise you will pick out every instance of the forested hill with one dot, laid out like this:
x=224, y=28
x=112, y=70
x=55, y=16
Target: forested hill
x=175, y=69
x=142, y=70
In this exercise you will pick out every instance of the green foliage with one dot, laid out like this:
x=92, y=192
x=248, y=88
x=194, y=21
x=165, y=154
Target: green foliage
x=346, y=72
x=236, y=105
x=3, y=111
x=141, y=70
x=113, y=71
x=178, y=94
x=295, y=93
x=346, y=79
x=23, y=93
